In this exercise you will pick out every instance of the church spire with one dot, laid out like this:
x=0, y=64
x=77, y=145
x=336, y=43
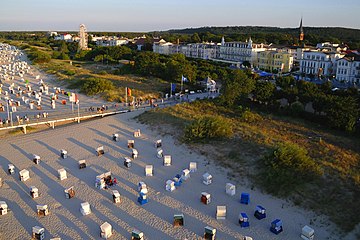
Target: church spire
x=301, y=36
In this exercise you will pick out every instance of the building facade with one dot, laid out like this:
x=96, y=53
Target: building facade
x=111, y=41
x=166, y=48
x=348, y=69
x=205, y=51
x=278, y=60
x=319, y=63
x=240, y=51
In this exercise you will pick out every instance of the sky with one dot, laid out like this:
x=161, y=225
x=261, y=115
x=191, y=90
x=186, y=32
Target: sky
x=157, y=15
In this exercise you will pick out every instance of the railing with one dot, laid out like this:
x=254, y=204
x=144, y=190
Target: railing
x=77, y=116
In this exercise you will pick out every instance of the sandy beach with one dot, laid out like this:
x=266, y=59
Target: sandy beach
x=155, y=218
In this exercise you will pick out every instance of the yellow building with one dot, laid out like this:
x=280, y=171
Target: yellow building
x=271, y=60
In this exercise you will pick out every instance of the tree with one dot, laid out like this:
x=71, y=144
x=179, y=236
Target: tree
x=264, y=91
x=285, y=82
x=342, y=113
x=195, y=38
x=320, y=102
x=209, y=127
x=95, y=86
x=288, y=167
x=236, y=86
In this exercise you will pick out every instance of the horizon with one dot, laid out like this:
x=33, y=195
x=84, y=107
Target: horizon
x=160, y=15
x=176, y=29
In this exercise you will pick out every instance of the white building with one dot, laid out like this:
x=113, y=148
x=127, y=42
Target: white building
x=241, y=51
x=163, y=47
x=348, y=69
x=110, y=41
x=319, y=62
x=331, y=46
x=64, y=37
x=51, y=34
x=200, y=50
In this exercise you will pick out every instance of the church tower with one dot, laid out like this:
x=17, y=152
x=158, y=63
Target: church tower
x=301, y=36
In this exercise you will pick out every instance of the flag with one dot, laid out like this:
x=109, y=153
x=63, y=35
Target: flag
x=128, y=90
x=74, y=97
x=173, y=87
x=184, y=79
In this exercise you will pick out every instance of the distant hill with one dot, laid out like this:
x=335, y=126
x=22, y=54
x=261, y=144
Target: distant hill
x=313, y=35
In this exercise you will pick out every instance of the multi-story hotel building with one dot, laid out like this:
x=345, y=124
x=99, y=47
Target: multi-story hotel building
x=240, y=51
x=319, y=62
x=274, y=60
x=348, y=68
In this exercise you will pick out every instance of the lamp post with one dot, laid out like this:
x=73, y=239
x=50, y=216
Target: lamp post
x=78, y=103
x=7, y=107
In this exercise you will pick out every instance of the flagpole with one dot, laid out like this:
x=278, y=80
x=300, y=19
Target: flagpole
x=78, y=111
x=181, y=88
x=126, y=96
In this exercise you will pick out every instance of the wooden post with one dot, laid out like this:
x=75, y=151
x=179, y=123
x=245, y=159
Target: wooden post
x=24, y=129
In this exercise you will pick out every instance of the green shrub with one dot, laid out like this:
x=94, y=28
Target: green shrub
x=296, y=108
x=64, y=56
x=69, y=72
x=209, y=127
x=55, y=55
x=250, y=117
x=103, y=72
x=95, y=86
x=287, y=168
x=39, y=57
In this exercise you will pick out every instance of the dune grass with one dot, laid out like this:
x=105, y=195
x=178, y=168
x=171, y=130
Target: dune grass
x=257, y=135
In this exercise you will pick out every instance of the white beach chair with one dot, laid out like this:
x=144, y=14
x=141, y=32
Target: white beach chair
x=42, y=210
x=170, y=185
x=116, y=196
x=63, y=153
x=34, y=192
x=193, y=166
x=100, y=150
x=134, y=153
x=137, y=235
x=185, y=174
x=167, y=160
x=105, y=230
x=24, y=175
x=115, y=137
x=307, y=233
x=38, y=233
x=11, y=169
x=82, y=164
x=85, y=208
x=158, y=143
x=3, y=208
x=220, y=212
x=36, y=159
x=62, y=174
x=160, y=153
x=230, y=189
x=137, y=133
x=207, y=178
x=149, y=170
x=131, y=143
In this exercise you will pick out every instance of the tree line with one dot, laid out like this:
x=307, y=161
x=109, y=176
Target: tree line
x=338, y=109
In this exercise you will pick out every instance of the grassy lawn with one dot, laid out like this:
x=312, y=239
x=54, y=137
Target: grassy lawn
x=73, y=76
x=257, y=134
